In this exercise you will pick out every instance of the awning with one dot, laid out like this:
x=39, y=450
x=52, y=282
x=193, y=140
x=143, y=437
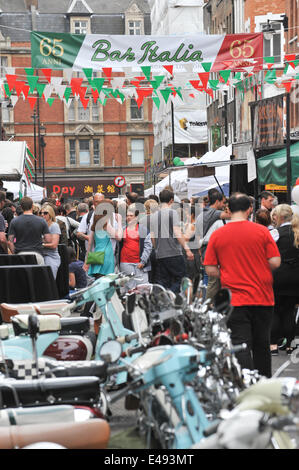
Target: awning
x=272, y=169
x=12, y=160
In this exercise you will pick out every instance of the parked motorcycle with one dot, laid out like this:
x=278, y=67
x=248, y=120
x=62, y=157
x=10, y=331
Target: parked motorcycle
x=264, y=418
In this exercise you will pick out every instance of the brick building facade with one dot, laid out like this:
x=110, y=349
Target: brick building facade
x=84, y=148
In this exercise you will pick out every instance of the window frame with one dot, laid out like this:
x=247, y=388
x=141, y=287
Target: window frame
x=135, y=140
x=75, y=162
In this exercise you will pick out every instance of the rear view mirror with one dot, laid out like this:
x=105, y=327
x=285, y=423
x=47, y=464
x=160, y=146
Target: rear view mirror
x=110, y=351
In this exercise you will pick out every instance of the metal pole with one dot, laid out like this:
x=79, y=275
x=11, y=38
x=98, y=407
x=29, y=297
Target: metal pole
x=172, y=130
x=225, y=118
x=288, y=150
x=0, y=120
x=35, y=155
x=43, y=159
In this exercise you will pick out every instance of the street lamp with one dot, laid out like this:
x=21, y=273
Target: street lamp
x=34, y=117
x=43, y=144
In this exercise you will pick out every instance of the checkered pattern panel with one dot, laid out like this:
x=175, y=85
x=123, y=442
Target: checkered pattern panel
x=27, y=369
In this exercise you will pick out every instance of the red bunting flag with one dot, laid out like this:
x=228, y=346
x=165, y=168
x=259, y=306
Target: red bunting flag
x=143, y=93
x=108, y=72
x=95, y=95
x=47, y=73
x=11, y=81
x=204, y=77
x=169, y=68
x=32, y=101
x=76, y=85
x=287, y=86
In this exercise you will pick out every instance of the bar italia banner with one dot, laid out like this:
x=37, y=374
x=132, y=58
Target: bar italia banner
x=217, y=52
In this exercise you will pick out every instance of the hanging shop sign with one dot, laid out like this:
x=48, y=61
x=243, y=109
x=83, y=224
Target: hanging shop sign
x=268, y=123
x=78, y=51
x=191, y=127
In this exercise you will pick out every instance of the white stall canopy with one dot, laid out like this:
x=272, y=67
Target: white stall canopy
x=12, y=160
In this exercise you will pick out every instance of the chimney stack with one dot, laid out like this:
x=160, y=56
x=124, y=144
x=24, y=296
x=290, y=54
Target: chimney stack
x=30, y=3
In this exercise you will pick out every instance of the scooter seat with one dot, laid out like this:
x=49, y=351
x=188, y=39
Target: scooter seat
x=46, y=323
x=93, y=434
x=42, y=392
x=56, y=307
x=78, y=368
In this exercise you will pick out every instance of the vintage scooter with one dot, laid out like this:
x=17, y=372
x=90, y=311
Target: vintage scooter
x=159, y=383
x=264, y=418
x=102, y=293
x=59, y=338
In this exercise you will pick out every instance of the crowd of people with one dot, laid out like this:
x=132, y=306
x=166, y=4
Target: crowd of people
x=250, y=247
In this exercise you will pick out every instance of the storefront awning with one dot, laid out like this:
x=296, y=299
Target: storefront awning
x=272, y=169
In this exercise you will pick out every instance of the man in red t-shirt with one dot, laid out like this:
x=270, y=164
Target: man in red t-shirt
x=243, y=255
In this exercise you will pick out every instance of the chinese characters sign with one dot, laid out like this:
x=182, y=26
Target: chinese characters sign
x=81, y=189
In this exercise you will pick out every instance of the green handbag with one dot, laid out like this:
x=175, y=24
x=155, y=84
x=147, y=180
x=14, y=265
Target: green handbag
x=95, y=257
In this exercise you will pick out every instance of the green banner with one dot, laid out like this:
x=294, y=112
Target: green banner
x=55, y=50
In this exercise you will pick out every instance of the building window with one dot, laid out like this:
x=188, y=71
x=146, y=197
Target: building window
x=83, y=114
x=95, y=112
x=3, y=64
x=71, y=111
x=80, y=27
x=137, y=151
x=84, y=152
x=135, y=112
x=273, y=41
x=77, y=112
x=96, y=152
x=72, y=152
x=135, y=28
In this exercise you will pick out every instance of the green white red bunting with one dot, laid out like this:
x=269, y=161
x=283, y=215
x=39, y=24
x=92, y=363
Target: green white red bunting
x=143, y=67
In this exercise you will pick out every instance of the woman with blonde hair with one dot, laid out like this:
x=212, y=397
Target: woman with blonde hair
x=286, y=277
x=50, y=250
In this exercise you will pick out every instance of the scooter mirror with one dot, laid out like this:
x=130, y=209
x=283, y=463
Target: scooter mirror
x=110, y=351
x=130, y=303
x=222, y=301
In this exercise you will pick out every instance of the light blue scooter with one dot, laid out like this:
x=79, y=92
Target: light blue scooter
x=30, y=343
x=171, y=409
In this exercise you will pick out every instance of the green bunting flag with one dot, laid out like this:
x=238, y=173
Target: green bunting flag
x=147, y=72
x=67, y=93
x=225, y=74
x=206, y=66
x=50, y=101
x=166, y=93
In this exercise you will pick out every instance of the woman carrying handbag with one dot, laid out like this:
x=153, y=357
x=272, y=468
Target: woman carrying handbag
x=104, y=234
